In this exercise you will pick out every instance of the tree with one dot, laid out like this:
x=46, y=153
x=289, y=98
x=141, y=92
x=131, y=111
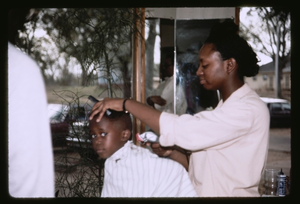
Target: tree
x=95, y=37
x=100, y=40
x=265, y=34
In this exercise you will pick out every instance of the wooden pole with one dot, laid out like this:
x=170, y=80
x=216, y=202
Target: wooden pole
x=143, y=79
x=135, y=70
x=139, y=66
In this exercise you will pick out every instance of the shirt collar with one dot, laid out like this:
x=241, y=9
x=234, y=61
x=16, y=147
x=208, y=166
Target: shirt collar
x=122, y=152
x=237, y=94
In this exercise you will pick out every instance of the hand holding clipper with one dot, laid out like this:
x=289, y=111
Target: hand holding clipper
x=147, y=137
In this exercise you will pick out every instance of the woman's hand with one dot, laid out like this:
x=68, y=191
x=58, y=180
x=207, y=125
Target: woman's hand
x=107, y=103
x=158, y=100
x=175, y=153
x=143, y=112
x=159, y=150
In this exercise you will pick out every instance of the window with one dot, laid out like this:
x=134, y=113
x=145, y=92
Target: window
x=271, y=82
x=254, y=78
x=265, y=77
x=286, y=107
x=276, y=107
x=287, y=81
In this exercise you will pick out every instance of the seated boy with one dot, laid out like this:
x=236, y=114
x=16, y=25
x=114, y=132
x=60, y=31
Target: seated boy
x=133, y=171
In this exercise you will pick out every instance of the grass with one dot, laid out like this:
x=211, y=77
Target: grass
x=65, y=94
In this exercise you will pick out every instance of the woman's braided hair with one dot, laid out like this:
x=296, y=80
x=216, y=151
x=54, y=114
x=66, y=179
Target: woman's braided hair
x=227, y=41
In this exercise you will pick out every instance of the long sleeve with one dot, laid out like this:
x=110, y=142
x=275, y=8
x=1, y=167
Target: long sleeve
x=229, y=144
x=207, y=129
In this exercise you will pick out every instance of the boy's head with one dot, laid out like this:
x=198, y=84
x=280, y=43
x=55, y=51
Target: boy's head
x=111, y=133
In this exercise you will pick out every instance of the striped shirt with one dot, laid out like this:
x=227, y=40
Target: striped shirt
x=134, y=171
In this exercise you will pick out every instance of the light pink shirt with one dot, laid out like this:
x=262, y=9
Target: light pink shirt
x=229, y=144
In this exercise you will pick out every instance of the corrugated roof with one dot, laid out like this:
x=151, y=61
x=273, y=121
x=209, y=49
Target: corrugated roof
x=270, y=67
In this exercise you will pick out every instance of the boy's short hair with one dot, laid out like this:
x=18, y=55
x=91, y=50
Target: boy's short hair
x=120, y=116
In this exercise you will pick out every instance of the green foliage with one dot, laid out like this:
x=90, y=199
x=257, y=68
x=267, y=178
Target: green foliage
x=99, y=38
x=95, y=40
x=99, y=41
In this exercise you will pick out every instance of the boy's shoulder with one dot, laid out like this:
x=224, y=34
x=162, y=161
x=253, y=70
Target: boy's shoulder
x=138, y=150
x=146, y=155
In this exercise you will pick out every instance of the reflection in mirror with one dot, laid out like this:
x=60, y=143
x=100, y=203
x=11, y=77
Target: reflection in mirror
x=189, y=38
x=161, y=96
x=152, y=55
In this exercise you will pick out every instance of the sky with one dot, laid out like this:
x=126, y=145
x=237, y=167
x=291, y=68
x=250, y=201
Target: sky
x=246, y=20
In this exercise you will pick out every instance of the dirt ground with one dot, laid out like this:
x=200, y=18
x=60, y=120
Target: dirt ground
x=278, y=159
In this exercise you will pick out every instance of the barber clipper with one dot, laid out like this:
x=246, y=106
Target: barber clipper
x=147, y=137
x=94, y=100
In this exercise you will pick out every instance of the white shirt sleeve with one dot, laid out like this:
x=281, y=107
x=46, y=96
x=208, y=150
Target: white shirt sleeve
x=207, y=129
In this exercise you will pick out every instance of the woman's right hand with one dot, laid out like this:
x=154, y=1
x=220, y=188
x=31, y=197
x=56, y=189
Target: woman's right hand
x=159, y=150
x=173, y=153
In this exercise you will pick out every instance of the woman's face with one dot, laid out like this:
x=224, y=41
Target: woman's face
x=167, y=69
x=106, y=137
x=212, y=69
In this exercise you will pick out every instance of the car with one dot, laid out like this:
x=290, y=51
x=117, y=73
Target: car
x=280, y=111
x=58, y=123
x=61, y=118
x=78, y=140
x=78, y=136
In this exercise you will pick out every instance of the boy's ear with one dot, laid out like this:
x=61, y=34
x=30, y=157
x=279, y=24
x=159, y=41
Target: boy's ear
x=125, y=135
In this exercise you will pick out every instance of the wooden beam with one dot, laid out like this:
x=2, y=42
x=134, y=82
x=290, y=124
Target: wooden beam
x=135, y=71
x=143, y=89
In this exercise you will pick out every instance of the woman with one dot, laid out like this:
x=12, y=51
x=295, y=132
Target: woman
x=229, y=144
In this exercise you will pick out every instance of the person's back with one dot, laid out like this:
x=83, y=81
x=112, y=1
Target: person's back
x=30, y=155
x=133, y=171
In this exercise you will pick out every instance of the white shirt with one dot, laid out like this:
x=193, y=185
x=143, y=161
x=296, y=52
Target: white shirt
x=30, y=156
x=166, y=90
x=229, y=144
x=134, y=171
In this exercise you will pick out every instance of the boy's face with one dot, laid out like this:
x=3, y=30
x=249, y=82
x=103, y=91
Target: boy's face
x=107, y=137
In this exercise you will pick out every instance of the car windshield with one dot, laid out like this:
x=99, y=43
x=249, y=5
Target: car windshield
x=281, y=107
x=286, y=107
x=276, y=107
